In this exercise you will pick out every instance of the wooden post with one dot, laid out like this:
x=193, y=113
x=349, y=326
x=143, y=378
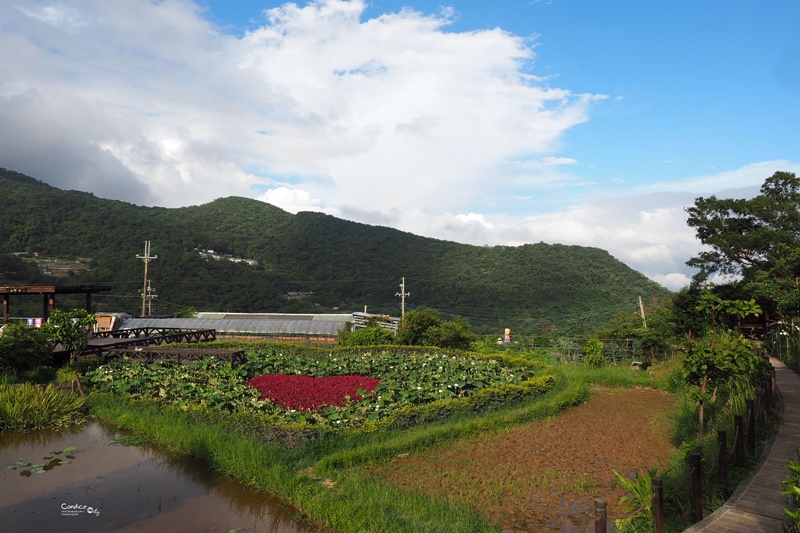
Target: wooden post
x=722, y=460
x=738, y=445
x=6, y=308
x=697, y=487
x=762, y=406
x=774, y=383
x=751, y=427
x=600, y=518
x=658, y=506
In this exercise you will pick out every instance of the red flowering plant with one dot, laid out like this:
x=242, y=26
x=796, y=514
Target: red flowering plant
x=304, y=393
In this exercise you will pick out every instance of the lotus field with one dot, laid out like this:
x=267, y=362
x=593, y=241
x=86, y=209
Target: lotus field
x=337, y=389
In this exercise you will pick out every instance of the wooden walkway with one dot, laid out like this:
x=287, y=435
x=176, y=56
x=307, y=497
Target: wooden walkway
x=757, y=505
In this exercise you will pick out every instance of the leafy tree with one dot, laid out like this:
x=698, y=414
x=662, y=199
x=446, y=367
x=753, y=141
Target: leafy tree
x=69, y=329
x=714, y=360
x=426, y=328
x=757, y=239
x=415, y=324
x=189, y=312
x=24, y=348
x=450, y=334
x=713, y=363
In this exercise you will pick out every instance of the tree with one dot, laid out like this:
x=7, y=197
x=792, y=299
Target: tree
x=710, y=362
x=69, y=329
x=23, y=348
x=450, y=334
x=415, y=324
x=426, y=328
x=757, y=239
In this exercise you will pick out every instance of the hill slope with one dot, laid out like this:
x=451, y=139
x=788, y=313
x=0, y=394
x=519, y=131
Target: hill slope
x=345, y=264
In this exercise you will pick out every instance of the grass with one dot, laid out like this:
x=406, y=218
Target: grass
x=322, y=477
x=317, y=476
x=610, y=376
x=28, y=407
x=349, y=503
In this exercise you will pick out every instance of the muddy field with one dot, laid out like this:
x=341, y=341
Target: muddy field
x=546, y=475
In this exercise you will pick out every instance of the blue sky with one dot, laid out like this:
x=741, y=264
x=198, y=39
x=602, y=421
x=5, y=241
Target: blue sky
x=563, y=121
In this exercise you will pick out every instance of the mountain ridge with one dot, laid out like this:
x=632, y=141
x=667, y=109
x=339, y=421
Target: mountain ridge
x=344, y=264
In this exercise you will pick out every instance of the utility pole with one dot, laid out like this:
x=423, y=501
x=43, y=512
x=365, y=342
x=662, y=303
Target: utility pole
x=150, y=298
x=402, y=294
x=641, y=312
x=146, y=258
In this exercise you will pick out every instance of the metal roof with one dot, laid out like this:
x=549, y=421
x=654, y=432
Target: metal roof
x=254, y=324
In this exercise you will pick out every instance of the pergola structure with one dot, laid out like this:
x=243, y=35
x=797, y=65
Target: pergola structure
x=48, y=293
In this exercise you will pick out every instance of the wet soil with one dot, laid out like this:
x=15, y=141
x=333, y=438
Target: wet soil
x=546, y=475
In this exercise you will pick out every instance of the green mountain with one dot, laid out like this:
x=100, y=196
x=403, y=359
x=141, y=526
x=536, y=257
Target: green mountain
x=305, y=262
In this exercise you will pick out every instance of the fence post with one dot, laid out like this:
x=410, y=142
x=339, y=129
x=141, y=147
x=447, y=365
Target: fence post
x=762, y=405
x=697, y=487
x=722, y=460
x=600, y=519
x=774, y=383
x=658, y=505
x=738, y=445
x=751, y=427
x=765, y=384
x=773, y=379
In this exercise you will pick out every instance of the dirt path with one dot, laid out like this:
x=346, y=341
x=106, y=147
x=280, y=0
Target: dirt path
x=545, y=476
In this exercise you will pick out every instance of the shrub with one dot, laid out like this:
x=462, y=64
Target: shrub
x=372, y=336
x=24, y=348
x=593, y=353
x=792, y=493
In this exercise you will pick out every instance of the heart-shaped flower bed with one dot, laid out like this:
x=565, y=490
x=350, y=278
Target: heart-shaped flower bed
x=304, y=393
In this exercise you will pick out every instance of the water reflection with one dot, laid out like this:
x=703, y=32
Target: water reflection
x=109, y=487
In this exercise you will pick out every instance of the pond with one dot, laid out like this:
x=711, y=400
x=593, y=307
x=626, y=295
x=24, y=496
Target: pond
x=80, y=480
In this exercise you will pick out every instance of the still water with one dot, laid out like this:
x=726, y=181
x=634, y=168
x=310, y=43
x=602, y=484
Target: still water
x=102, y=486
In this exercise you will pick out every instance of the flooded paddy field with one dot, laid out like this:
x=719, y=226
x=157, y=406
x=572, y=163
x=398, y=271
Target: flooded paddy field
x=81, y=480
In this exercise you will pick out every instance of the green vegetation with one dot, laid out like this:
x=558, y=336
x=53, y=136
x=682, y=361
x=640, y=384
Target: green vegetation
x=26, y=468
x=416, y=386
x=427, y=396
x=639, y=498
x=757, y=239
x=316, y=472
x=344, y=264
x=792, y=493
x=69, y=328
x=24, y=348
x=28, y=407
x=423, y=327
x=593, y=353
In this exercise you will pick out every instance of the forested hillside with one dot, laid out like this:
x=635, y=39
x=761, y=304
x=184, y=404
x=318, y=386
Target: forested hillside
x=345, y=265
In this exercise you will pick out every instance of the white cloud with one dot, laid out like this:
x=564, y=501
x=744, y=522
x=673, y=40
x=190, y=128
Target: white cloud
x=291, y=200
x=747, y=178
x=390, y=111
x=393, y=120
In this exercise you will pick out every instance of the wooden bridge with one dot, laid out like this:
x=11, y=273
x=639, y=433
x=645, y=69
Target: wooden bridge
x=105, y=343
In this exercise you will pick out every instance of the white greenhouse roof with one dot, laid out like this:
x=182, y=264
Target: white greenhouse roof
x=259, y=324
